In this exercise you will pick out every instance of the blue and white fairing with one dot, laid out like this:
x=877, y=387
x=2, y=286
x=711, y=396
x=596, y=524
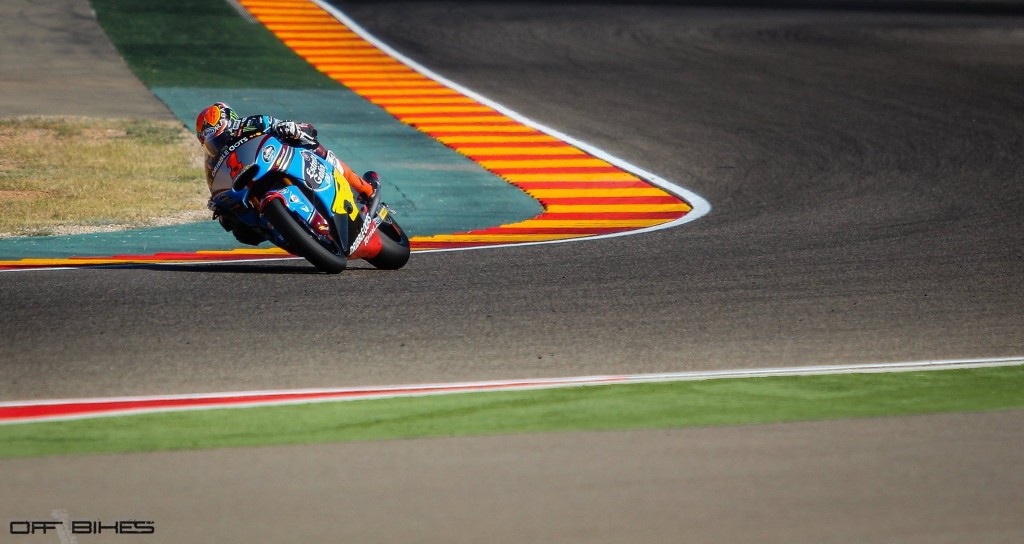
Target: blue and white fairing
x=309, y=186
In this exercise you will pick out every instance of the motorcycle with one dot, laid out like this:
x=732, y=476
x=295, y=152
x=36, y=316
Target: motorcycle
x=302, y=204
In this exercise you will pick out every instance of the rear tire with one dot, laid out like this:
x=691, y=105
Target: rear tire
x=300, y=241
x=394, y=252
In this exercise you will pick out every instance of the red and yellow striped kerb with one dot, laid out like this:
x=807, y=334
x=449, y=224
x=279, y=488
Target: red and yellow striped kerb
x=156, y=258
x=582, y=195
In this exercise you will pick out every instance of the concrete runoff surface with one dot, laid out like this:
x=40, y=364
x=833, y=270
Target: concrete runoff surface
x=865, y=209
x=56, y=60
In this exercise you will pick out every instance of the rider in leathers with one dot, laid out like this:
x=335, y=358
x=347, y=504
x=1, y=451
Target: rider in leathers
x=218, y=126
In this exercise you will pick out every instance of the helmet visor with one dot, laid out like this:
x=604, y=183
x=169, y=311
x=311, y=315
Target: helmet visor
x=214, y=143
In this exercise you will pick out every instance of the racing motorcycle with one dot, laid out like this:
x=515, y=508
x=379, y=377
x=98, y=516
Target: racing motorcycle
x=302, y=204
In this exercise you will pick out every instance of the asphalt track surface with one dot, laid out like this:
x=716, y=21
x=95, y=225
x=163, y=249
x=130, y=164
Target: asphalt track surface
x=864, y=170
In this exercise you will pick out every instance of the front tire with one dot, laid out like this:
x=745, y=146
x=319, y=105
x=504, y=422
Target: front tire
x=300, y=241
x=394, y=252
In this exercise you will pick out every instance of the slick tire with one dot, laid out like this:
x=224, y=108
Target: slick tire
x=300, y=241
x=394, y=251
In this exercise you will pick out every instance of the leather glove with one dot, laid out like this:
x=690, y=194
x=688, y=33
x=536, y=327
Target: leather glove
x=288, y=130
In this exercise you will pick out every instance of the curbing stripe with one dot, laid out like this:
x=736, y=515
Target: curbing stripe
x=14, y=412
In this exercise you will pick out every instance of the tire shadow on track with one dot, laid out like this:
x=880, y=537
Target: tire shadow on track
x=239, y=268
x=248, y=268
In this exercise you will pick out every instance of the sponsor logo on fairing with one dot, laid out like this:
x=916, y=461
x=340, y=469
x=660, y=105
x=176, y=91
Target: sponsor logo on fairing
x=315, y=171
x=369, y=228
x=268, y=153
x=228, y=152
x=235, y=165
x=284, y=158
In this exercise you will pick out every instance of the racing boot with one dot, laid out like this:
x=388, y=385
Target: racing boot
x=365, y=187
x=226, y=210
x=242, y=232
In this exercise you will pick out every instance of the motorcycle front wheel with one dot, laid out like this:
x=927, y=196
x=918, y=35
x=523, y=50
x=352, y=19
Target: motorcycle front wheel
x=300, y=241
x=394, y=252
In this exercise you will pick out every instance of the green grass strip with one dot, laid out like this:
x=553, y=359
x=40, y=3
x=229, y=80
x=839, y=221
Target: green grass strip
x=202, y=43
x=634, y=406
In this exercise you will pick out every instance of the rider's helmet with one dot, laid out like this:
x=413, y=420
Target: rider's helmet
x=212, y=127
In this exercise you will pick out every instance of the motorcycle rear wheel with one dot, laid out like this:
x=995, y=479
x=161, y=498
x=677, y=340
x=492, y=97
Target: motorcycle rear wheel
x=300, y=241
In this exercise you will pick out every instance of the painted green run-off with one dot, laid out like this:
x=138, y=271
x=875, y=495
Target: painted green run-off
x=202, y=43
x=611, y=407
x=433, y=189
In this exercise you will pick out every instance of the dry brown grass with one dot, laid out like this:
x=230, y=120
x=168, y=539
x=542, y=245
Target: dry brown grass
x=67, y=175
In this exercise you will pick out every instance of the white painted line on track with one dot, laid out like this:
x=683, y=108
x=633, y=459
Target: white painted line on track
x=28, y=411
